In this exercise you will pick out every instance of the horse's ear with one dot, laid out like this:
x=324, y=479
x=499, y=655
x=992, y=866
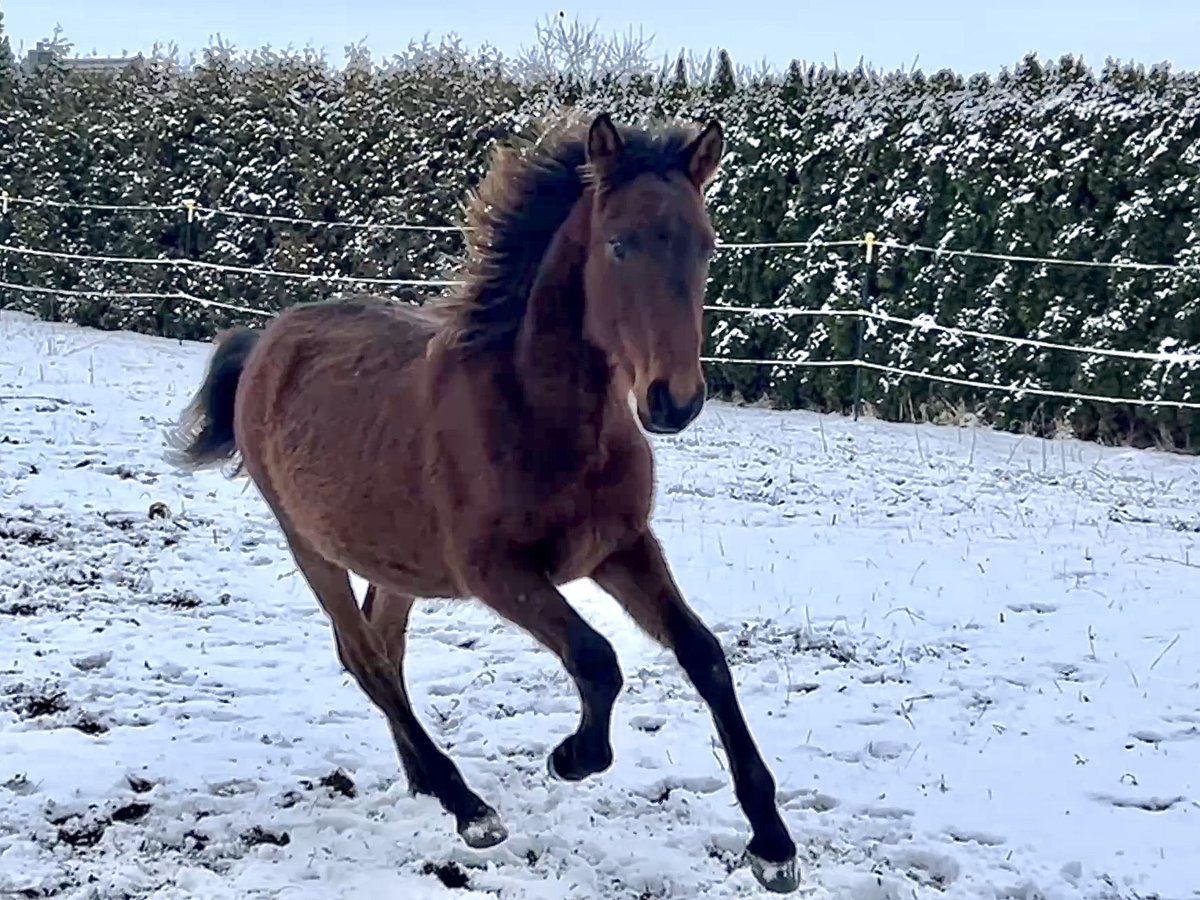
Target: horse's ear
x=704, y=154
x=604, y=143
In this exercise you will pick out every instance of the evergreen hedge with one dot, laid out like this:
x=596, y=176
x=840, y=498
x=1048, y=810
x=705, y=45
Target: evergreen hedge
x=1046, y=160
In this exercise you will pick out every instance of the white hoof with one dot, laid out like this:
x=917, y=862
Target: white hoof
x=484, y=832
x=776, y=877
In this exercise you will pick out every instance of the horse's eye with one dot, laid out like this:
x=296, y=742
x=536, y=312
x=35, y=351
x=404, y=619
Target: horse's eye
x=618, y=247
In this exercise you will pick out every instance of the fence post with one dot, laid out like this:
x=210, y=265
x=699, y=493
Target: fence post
x=189, y=252
x=869, y=240
x=6, y=233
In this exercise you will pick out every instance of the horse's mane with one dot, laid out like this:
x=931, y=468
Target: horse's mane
x=528, y=192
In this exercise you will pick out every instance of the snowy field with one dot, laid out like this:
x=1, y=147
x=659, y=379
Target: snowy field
x=972, y=660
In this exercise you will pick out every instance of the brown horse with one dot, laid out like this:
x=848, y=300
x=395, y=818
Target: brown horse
x=484, y=445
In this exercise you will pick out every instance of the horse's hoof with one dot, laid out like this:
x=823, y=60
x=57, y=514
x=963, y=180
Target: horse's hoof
x=564, y=765
x=552, y=766
x=484, y=832
x=776, y=877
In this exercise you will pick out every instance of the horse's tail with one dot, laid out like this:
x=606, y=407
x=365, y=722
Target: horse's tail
x=204, y=436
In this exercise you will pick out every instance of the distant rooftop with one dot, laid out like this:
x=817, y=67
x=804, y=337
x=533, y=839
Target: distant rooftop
x=45, y=54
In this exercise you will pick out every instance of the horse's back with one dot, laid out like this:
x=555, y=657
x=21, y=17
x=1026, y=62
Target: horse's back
x=332, y=358
x=358, y=324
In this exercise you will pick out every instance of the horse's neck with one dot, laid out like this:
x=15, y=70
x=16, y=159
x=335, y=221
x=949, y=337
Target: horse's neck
x=565, y=378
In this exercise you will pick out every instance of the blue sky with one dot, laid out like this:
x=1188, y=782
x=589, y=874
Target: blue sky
x=965, y=35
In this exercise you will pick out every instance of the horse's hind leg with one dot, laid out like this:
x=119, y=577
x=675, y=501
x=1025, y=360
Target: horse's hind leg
x=363, y=652
x=388, y=612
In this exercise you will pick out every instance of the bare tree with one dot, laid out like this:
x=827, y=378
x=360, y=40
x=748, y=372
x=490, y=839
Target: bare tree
x=577, y=50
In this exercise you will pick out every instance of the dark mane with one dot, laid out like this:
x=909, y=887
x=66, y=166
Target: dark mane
x=528, y=192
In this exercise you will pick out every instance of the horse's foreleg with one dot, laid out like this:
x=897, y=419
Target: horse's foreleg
x=639, y=578
x=532, y=602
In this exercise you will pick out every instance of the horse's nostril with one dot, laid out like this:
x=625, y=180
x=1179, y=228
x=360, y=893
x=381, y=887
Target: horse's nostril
x=658, y=398
x=666, y=416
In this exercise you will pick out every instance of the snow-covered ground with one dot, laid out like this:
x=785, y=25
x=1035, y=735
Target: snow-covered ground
x=972, y=660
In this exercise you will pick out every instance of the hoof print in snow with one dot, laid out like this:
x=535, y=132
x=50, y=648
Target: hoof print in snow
x=25, y=533
x=81, y=830
x=20, y=610
x=131, y=812
x=289, y=799
x=336, y=782
x=89, y=725
x=449, y=874
x=139, y=785
x=43, y=703
x=728, y=860
x=48, y=701
x=196, y=841
x=927, y=868
x=701, y=785
x=648, y=724
x=258, y=836
x=983, y=838
x=1041, y=608
x=1146, y=804
x=93, y=661
x=128, y=473
x=817, y=802
x=181, y=600
x=19, y=785
x=23, y=600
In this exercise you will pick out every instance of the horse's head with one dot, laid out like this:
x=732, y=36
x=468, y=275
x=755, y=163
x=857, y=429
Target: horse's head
x=649, y=244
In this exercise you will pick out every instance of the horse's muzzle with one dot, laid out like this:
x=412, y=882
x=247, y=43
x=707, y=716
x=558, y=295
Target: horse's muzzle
x=665, y=416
